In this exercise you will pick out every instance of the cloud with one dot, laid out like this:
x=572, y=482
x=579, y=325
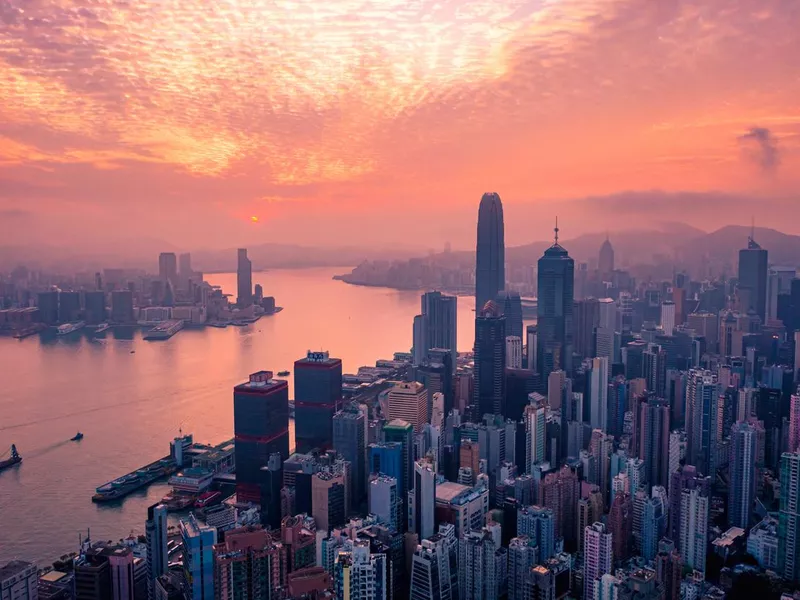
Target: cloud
x=761, y=146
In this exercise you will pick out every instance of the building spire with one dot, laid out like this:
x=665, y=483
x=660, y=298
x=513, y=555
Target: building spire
x=753, y=228
x=556, y=230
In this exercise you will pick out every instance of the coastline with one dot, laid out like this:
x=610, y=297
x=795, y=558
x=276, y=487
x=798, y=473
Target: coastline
x=459, y=292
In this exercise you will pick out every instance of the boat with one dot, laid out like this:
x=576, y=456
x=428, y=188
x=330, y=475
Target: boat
x=208, y=499
x=178, y=502
x=14, y=459
x=68, y=328
x=102, y=327
x=133, y=351
x=78, y=437
x=283, y=373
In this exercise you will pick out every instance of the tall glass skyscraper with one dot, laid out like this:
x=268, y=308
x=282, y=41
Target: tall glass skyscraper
x=490, y=274
x=753, y=278
x=198, y=558
x=436, y=326
x=244, y=279
x=317, y=397
x=556, y=284
x=490, y=363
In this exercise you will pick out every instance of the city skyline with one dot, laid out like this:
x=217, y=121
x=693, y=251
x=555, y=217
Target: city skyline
x=119, y=117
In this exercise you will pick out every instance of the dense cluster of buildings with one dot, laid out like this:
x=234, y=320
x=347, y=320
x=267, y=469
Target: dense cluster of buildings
x=642, y=444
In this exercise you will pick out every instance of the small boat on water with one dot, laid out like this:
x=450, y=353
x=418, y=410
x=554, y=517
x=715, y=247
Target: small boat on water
x=283, y=373
x=77, y=438
x=15, y=459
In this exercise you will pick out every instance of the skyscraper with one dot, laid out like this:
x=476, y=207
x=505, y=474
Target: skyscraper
x=555, y=303
x=244, y=279
x=185, y=267
x=490, y=363
x=317, y=397
x=693, y=536
x=598, y=393
x=586, y=318
x=249, y=565
x=789, y=517
x=329, y=500
x=198, y=558
x=408, y=401
x=383, y=500
x=398, y=430
x=752, y=288
x=702, y=420
x=422, y=499
x=535, y=417
x=261, y=428
x=742, y=466
x=513, y=352
x=360, y=574
x=794, y=422
x=605, y=262
x=668, y=317
x=155, y=529
x=538, y=524
x=654, y=430
x=168, y=267
x=431, y=575
x=490, y=259
x=436, y=327
x=522, y=556
x=687, y=478
x=477, y=574
x=349, y=441
x=510, y=304
x=620, y=524
x=559, y=492
x=598, y=557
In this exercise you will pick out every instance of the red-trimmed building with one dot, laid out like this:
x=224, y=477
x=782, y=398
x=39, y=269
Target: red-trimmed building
x=317, y=397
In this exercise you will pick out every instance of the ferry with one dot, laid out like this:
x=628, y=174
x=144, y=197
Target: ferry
x=15, y=459
x=165, y=330
x=283, y=373
x=208, y=499
x=102, y=327
x=77, y=438
x=68, y=328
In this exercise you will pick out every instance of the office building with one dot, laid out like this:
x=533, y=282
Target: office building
x=436, y=327
x=168, y=267
x=95, y=307
x=422, y=500
x=598, y=557
x=383, y=500
x=743, y=473
x=752, y=287
x=329, y=498
x=490, y=363
x=317, y=397
x=478, y=577
x=360, y=574
x=556, y=280
x=409, y=401
x=605, y=263
x=398, y=430
x=513, y=352
x=789, y=518
x=535, y=418
x=693, y=534
x=261, y=428
x=490, y=251
x=48, y=306
x=668, y=317
x=156, y=539
x=19, y=581
x=519, y=385
x=531, y=345
x=244, y=279
x=92, y=572
x=249, y=565
x=433, y=572
x=349, y=441
x=120, y=565
x=510, y=305
x=586, y=319
x=597, y=388
x=122, y=307
x=538, y=524
x=198, y=558
x=185, y=268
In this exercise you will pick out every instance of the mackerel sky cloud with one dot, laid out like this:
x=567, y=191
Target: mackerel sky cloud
x=299, y=111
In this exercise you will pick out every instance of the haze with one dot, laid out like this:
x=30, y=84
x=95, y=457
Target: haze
x=381, y=122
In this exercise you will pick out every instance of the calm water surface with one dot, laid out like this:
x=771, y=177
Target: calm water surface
x=129, y=405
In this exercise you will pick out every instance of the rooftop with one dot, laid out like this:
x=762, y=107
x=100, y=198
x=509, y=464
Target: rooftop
x=13, y=568
x=447, y=491
x=261, y=381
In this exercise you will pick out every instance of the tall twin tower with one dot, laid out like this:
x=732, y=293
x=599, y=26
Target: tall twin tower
x=556, y=276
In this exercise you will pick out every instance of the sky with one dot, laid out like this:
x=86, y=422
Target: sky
x=214, y=123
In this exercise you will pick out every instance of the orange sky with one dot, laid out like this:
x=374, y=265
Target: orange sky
x=182, y=119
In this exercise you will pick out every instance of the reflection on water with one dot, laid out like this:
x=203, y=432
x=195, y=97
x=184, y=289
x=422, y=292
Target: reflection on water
x=129, y=406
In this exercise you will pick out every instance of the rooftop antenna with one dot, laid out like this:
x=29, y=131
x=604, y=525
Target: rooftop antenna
x=753, y=228
x=556, y=231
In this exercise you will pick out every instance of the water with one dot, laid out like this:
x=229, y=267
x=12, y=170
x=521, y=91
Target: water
x=129, y=405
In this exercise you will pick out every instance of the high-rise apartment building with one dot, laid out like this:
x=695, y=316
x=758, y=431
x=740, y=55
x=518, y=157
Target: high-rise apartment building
x=490, y=251
x=433, y=571
x=383, y=499
x=620, y=524
x=743, y=473
x=261, y=428
x=329, y=497
x=538, y=524
x=653, y=435
x=686, y=478
x=598, y=557
x=155, y=529
x=669, y=569
x=523, y=555
x=702, y=420
x=556, y=281
x=360, y=574
x=693, y=534
x=19, y=581
x=198, y=558
x=794, y=422
x=789, y=517
x=535, y=417
x=317, y=397
x=490, y=363
x=249, y=565
x=598, y=393
x=559, y=492
x=478, y=577
x=752, y=288
x=408, y=401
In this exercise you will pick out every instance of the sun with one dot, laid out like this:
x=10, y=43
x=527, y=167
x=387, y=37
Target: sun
x=254, y=219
